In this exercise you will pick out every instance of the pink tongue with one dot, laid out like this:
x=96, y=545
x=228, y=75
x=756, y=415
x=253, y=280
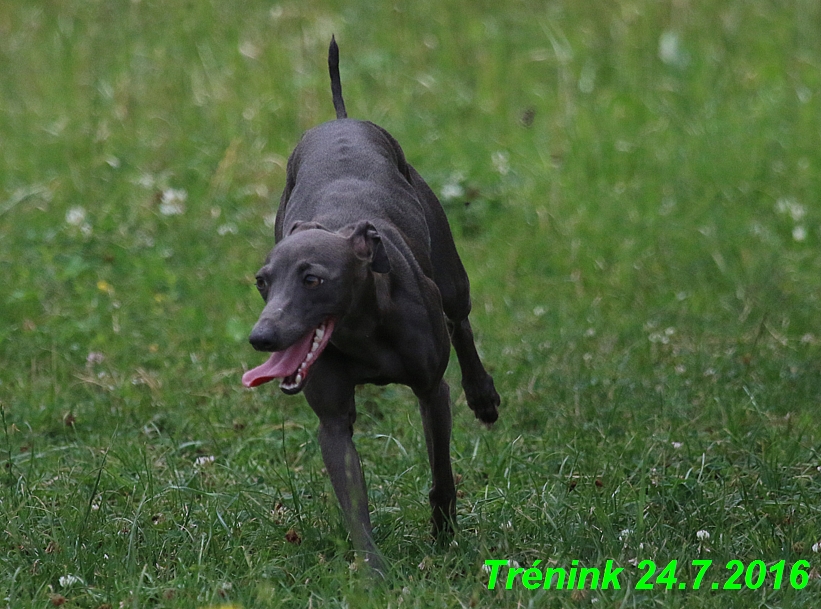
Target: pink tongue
x=281, y=363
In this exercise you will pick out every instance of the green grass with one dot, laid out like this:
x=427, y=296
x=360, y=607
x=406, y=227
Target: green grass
x=643, y=237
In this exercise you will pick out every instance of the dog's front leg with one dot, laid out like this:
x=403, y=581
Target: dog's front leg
x=342, y=462
x=332, y=398
x=436, y=421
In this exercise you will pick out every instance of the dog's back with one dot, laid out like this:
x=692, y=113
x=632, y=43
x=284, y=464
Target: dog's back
x=347, y=170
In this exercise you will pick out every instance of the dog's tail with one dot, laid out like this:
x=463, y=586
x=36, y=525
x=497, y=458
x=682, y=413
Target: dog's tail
x=336, y=83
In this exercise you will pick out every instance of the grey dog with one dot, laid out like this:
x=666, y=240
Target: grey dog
x=365, y=285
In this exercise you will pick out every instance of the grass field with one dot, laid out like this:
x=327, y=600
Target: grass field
x=634, y=187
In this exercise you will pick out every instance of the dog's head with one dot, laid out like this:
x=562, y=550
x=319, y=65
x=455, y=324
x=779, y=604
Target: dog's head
x=309, y=281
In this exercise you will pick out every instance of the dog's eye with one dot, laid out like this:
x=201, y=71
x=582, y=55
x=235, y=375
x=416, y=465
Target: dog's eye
x=262, y=285
x=312, y=281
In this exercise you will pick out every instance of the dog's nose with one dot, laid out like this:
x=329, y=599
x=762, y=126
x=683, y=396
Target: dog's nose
x=263, y=337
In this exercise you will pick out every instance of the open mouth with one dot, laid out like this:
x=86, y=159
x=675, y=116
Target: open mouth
x=292, y=364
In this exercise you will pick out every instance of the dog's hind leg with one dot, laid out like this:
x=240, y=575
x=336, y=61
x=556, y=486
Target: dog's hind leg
x=454, y=287
x=480, y=392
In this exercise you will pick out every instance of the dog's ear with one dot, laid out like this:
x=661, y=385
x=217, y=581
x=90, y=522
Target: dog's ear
x=300, y=226
x=367, y=245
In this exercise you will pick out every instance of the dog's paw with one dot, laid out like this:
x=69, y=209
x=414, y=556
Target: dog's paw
x=376, y=566
x=443, y=510
x=483, y=400
x=443, y=523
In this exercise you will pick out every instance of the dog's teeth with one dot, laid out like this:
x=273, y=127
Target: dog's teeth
x=315, y=345
x=320, y=332
x=309, y=357
x=298, y=379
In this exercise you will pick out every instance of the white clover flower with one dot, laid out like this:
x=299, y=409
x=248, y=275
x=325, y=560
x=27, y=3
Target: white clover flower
x=146, y=180
x=172, y=201
x=788, y=205
x=95, y=357
x=75, y=216
x=799, y=233
x=501, y=162
x=172, y=209
x=670, y=51
x=452, y=191
x=676, y=445
x=69, y=580
x=203, y=461
x=703, y=535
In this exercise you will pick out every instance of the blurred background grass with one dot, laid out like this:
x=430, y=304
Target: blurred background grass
x=634, y=188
